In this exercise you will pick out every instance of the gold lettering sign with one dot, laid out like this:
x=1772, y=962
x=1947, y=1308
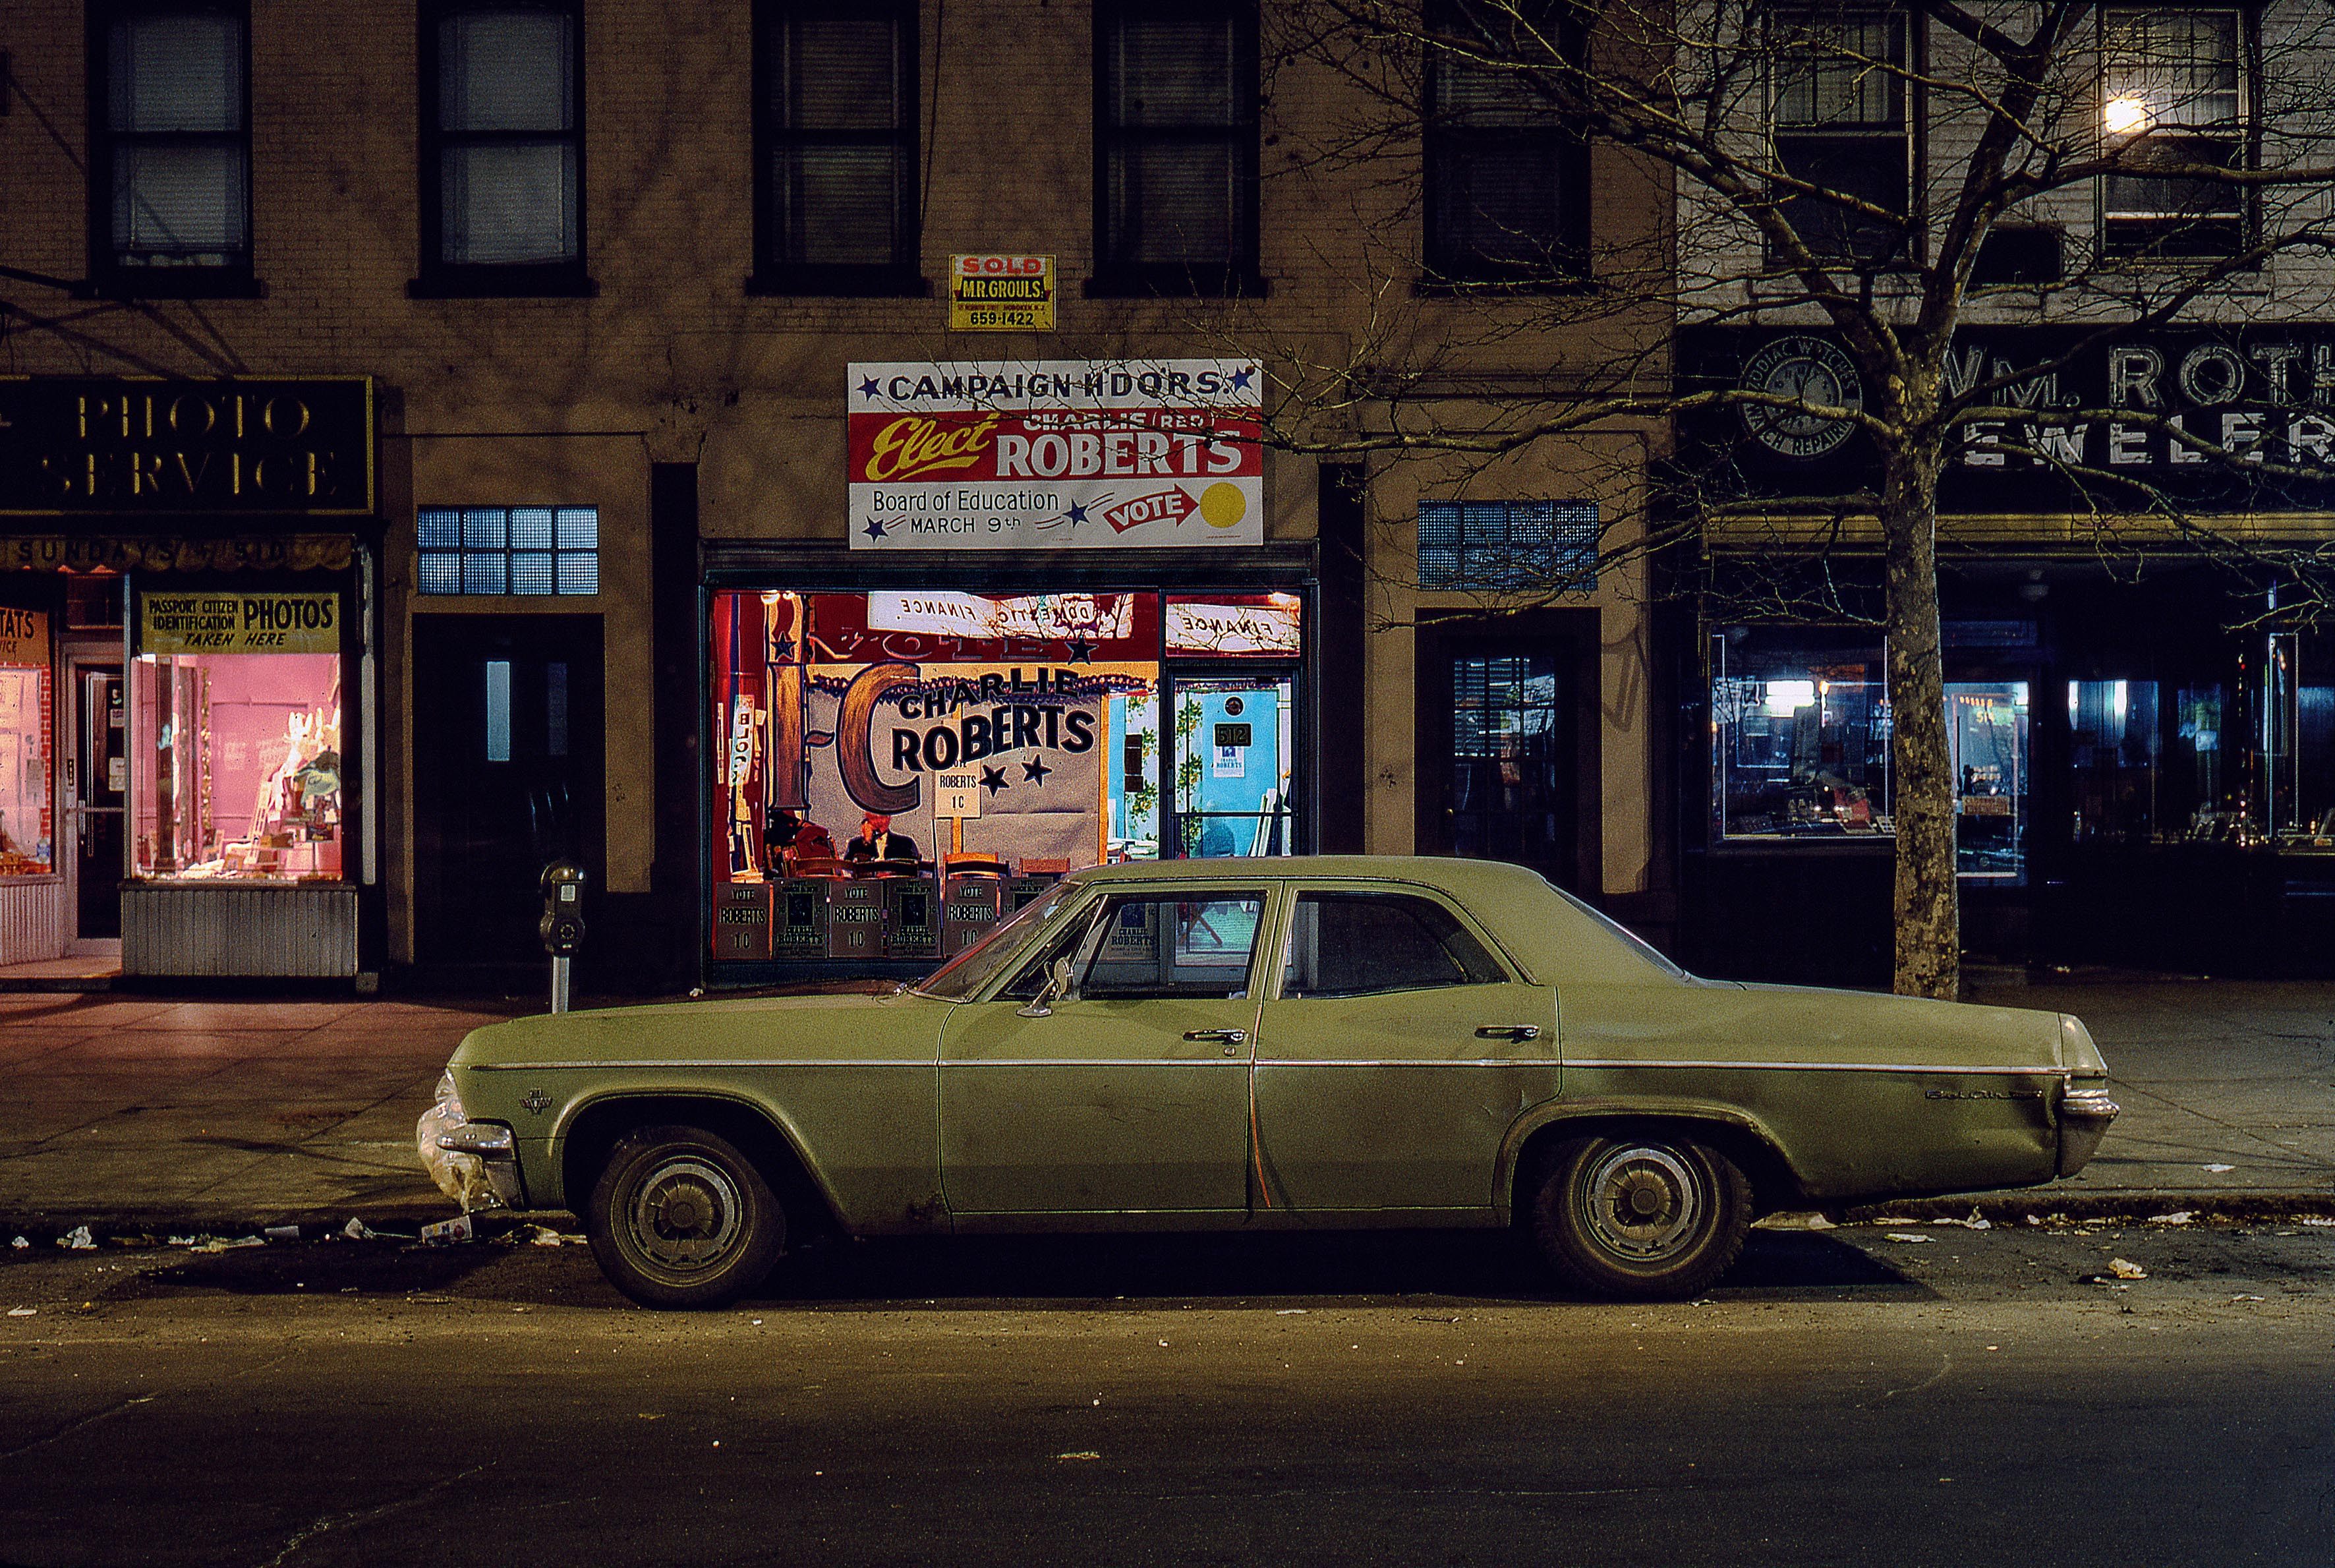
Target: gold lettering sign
x=212, y=623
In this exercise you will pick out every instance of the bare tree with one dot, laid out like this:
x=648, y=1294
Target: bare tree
x=2181, y=152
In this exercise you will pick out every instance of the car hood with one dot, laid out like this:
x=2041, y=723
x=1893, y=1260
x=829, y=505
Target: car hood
x=798, y=1025
x=1729, y=1022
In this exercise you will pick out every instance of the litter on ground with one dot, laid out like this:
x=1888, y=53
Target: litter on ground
x=1906, y=1237
x=77, y=1240
x=22, y=1311
x=2221, y=1169
x=2177, y=1217
x=2126, y=1269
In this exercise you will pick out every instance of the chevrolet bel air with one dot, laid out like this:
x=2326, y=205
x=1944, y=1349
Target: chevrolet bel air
x=1299, y=1043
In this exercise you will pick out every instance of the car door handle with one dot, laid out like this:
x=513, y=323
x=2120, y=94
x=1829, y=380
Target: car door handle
x=1230, y=1037
x=1515, y=1031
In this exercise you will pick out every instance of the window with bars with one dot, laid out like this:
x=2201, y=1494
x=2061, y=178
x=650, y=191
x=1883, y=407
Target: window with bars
x=521, y=550
x=836, y=128
x=1841, y=126
x=1506, y=178
x=502, y=133
x=2173, y=94
x=1507, y=545
x=170, y=175
x=1176, y=147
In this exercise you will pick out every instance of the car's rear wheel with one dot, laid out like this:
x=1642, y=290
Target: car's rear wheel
x=680, y=1218
x=1648, y=1215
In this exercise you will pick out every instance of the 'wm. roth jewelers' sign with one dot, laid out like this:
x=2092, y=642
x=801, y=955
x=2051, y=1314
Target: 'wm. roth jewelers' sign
x=1057, y=454
x=90, y=445
x=2090, y=416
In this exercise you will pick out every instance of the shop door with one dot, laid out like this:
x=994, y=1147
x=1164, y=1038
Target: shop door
x=1231, y=776
x=506, y=777
x=98, y=781
x=1502, y=753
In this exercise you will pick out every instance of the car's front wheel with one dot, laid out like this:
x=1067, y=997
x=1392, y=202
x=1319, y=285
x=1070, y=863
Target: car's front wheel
x=1651, y=1215
x=680, y=1218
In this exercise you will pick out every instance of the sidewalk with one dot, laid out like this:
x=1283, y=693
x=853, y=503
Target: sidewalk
x=148, y=1115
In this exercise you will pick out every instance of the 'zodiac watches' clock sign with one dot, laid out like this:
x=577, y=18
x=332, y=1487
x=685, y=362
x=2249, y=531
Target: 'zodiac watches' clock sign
x=1813, y=371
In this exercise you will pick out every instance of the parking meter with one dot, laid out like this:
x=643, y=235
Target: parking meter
x=562, y=926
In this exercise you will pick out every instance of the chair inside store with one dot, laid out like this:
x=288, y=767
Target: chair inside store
x=968, y=863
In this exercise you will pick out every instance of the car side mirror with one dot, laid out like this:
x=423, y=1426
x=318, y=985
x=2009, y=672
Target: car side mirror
x=1058, y=983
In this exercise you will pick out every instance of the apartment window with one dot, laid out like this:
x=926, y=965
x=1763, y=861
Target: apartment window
x=523, y=550
x=2171, y=94
x=1841, y=126
x=1507, y=545
x=1506, y=178
x=170, y=175
x=502, y=153
x=1176, y=148
x=836, y=144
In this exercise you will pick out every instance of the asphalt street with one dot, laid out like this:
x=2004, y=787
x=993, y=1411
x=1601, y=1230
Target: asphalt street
x=1976, y=1397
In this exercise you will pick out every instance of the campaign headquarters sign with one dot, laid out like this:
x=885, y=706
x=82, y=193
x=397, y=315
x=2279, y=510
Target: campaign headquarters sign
x=1057, y=454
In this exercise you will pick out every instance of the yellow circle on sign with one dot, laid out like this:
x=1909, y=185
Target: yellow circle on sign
x=1222, y=505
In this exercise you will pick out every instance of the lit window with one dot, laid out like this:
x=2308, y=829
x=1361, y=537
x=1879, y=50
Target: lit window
x=1511, y=546
x=523, y=550
x=2171, y=94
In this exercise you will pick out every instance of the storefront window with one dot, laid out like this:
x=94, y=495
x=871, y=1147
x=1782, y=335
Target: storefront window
x=1025, y=735
x=236, y=756
x=1800, y=726
x=1987, y=745
x=27, y=816
x=2116, y=754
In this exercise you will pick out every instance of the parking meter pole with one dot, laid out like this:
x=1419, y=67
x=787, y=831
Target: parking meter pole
x=559, y=967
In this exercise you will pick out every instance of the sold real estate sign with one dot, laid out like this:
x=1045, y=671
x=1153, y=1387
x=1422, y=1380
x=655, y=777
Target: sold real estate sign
x=1057, y=454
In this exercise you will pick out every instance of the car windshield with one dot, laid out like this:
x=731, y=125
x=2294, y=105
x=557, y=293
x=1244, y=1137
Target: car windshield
x=966, y=974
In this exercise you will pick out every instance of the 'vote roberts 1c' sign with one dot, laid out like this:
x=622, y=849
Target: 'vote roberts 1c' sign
x=1062, y=454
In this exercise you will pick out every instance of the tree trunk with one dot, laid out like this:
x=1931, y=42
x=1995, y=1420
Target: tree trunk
x=1927, y=907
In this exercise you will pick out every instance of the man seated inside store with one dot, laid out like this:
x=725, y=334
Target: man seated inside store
x=878, y=842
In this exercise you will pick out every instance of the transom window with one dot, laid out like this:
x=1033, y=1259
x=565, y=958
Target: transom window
x=1362, y=944
x=1841, y=126
x=523, y=550
x=173, y=145
x=835, y=119
x=2171, y=94
x=1507, y=545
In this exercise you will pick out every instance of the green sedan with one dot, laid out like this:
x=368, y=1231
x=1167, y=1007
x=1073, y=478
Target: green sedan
x=1294, y=1043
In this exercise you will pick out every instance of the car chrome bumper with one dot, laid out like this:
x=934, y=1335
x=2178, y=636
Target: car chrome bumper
x=495, y=1148
x=2084, y=1118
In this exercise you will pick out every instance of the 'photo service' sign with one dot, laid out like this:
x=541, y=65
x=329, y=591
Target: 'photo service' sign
x=1057, y=454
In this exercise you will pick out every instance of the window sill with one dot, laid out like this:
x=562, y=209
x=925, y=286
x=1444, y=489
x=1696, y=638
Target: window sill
x=1170, y=281
x=838, y=283
x=172, y=282
x=1492, y=287
x=562, y=282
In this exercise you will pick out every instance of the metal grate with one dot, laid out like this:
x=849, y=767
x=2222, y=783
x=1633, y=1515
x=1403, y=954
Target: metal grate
x=1507, y=545
x=525, y=551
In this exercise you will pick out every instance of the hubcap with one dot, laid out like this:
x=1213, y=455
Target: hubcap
x=686, y=1215
x=1644, y=1204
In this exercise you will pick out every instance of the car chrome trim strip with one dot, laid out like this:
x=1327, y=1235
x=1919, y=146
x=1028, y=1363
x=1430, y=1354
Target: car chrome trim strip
x=1955, y=1069
x=654, y=1064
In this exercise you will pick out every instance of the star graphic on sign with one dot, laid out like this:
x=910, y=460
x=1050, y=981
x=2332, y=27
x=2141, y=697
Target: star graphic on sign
x=1035, y=771
x=1082, y=651
x=784, y=648
x=993, y=780
x=1077, y=514
x=1240, y=378
x=867, y=388
x=875, y=529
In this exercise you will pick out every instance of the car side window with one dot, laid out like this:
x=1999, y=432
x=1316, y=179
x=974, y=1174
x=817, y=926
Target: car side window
x=1362, y=944
x=1147, y=945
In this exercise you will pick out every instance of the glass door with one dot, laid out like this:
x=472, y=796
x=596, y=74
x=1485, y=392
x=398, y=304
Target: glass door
x=97, y=781
x=1231, y=763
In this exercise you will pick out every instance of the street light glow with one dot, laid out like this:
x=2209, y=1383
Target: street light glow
x=2125, y=116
